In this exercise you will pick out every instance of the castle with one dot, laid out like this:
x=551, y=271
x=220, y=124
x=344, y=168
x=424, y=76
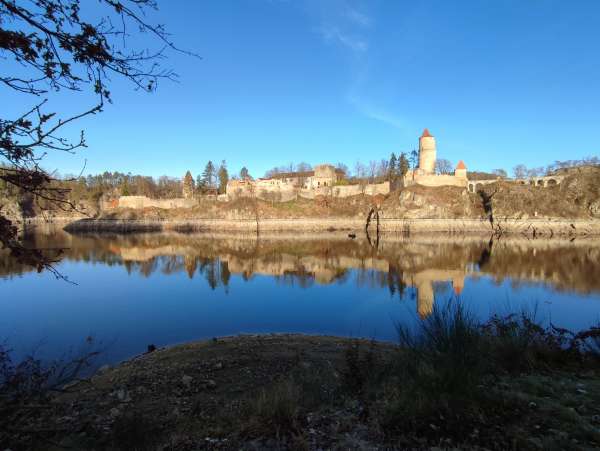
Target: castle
x=324, y=180
x=425, y=173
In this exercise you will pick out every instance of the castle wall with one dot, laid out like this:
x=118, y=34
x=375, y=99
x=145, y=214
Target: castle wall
x=286, y=192
x=435, y=180
x=141, y=202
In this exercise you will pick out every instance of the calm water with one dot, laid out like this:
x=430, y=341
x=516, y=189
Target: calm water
x=133, y=290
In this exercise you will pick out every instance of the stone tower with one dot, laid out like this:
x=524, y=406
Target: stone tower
x=427, y=153
x=461, y=170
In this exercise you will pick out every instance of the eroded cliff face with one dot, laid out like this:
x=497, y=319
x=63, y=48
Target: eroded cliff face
x=578, y=196
x=443, y=202
x=11, y=210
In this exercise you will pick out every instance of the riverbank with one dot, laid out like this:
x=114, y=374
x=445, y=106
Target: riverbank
x=542, y=227
x=508, y=384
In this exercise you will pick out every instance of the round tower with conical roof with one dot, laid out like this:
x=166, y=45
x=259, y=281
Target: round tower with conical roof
x=427, y=153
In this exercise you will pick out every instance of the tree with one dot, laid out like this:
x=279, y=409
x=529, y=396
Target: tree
x=223, y=177
x=188, y=185
x=500, y=173
x=520, y=171
x=244, y=174
x=372, y=170
x=125, y=191
x=443, y=166
x=403, y=165
x=57, y=49
x=200, y=183
x=392, y=167
x=342, y=167
x=414, y=159
x=209, y=176
x=359, y=170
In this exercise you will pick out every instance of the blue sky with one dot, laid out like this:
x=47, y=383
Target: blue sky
x=497, y=82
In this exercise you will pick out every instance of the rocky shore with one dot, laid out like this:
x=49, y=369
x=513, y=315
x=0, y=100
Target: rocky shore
x=542, y=227
x=306, y=392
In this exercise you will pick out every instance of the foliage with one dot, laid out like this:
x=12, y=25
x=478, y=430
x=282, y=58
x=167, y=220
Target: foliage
x=58, y=46
x=445, y=373
x=223, y=176
x=276, y=410
x=500, y=173
x=443, y=166
x=188, y=184
x=403, y=164
x=244, y=174
x=33, y=379
x=208, y=176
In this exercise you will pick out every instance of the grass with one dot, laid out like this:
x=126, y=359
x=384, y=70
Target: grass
x=449, y=381
x=452, y=382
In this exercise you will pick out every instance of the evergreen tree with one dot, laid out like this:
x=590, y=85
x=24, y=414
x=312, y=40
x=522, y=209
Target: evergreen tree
x=188, y=185
x=414, y=159
x=244, y=174
x=403, y=165
x=209, y=176
x=199, y=183
x=392, y=169
x=223, y=177
x=125, y=191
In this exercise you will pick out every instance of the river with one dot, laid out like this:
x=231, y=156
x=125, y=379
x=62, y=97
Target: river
x=129, y=291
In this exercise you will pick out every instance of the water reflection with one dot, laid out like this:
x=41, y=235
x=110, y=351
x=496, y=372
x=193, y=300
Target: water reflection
x=432, y=265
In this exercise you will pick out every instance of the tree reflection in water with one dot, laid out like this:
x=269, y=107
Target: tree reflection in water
x=434, y=265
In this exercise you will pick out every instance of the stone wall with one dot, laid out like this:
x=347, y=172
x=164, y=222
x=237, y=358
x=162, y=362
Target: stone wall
x=435, y=180
x=285, y=193
x=141, y=202
x=526, y=227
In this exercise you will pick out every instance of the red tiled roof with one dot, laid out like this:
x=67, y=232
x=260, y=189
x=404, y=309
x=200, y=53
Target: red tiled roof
x=461, y=165
x=425, y=133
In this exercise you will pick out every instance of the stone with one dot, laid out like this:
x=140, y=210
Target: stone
x=114, y=412
x=103, y=369
x=187, y=381
x=595, y=208
x=211, y=384
x=123, y=395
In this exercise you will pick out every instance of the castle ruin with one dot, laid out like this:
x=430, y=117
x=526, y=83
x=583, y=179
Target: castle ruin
x=425, y=173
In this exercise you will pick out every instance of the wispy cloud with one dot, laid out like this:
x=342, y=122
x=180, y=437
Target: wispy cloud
x=350, y=25
x=358, y=18
x=375, y=112
x=334, y=34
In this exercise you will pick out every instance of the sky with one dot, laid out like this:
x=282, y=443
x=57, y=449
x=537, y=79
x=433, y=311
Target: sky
x=498, y=83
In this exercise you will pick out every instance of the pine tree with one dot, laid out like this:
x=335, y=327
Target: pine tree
x=414, y=159
x=392, y=169
x=208, y=176
x=223, y=177
x=188, y=185
x=244, y=174
x=403, y=165
x=199, y=183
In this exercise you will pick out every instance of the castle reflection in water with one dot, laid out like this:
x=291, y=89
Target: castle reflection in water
x=430, y=265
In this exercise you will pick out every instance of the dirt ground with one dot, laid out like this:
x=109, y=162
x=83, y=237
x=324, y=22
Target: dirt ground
x=292, y=392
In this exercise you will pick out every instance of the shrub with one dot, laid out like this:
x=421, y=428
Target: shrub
x=275, y=411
